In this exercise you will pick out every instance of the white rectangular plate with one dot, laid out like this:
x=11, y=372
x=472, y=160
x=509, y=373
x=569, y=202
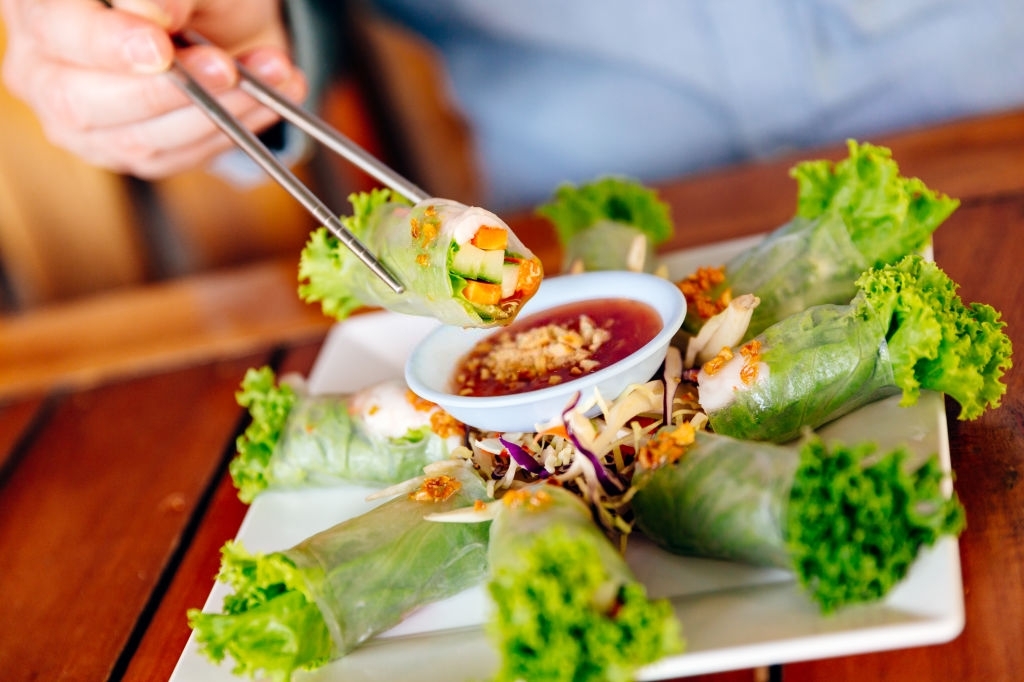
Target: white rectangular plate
x=733, y=616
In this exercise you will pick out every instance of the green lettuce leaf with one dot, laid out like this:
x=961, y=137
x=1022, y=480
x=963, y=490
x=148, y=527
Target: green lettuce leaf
x=857, y=520
x=567, y=607
x=609, y=224
x=325, y=264
x=888, y=215
x=295, y=609
x=934, y=340
x=270, y=624
x=269, y=405
x=574, y=209
x=848, y=521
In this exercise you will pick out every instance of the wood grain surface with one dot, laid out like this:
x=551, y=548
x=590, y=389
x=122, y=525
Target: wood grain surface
x=117, y=419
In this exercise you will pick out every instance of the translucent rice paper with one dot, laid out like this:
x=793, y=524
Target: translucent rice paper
x=723, y=499
x=515, y=529
x=367, y=573
x=423, y=269
x=818, y=365
x=324, y=443
x=610, y=245
x=807, y=262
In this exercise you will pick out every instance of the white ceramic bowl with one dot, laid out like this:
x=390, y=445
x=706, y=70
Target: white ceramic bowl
x=430, y=368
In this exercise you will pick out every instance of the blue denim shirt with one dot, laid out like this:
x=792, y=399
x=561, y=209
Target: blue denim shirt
x=567, y=90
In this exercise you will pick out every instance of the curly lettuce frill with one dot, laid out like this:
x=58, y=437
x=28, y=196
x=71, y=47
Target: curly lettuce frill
x=567, y=607
x=848, y=521
x=857, y=521
x=851, y=215
x=294, y=610
x=889, y=215
x=598, y=223
x=269, y=406
x=330, y=274
x=270, y=624
x=935, y=340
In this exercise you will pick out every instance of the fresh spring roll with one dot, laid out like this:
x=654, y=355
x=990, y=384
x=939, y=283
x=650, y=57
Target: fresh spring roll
x=609, y=224
x=905, y=330
x=848, y=521
x=567, y=606
x=300, y=608
x=459, y=264
x=381, y=434
x=856, y=214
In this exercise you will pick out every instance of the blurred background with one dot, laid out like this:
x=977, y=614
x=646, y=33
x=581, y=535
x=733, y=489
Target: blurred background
x=69, y=230
x=556, y=91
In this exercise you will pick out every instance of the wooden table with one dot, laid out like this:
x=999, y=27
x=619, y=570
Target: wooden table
x=117, y=419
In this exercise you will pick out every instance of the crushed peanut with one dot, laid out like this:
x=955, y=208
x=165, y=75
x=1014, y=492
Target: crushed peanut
x=418, y=403
x=715, y=364
x=751, y=352
x=425, y=233
x=445, y=425
x=523, y=497
x=515, y=360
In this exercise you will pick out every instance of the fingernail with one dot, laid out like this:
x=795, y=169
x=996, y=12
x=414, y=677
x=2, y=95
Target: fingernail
x=143, y=53
x=212, y=72
x=270, y=69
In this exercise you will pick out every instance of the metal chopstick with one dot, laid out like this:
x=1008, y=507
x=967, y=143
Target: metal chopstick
x=251, y=145
x=318, y=129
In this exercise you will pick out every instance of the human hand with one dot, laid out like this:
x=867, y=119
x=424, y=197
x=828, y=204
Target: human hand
x=90, y=74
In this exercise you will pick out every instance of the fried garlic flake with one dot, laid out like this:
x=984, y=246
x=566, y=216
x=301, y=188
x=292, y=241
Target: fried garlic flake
x=436, y=489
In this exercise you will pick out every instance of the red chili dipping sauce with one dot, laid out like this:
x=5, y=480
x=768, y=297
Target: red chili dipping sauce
x=555, y=346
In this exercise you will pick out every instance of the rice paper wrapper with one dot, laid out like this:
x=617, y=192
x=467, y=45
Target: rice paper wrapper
x=326, y=441
x=610, y=245
x=369, y=572
x=516, y=528
x=401, y=237
x=724, y=499
x=816, y=366
x=803, y=264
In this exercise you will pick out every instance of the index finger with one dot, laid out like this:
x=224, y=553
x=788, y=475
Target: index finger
x=87, y=33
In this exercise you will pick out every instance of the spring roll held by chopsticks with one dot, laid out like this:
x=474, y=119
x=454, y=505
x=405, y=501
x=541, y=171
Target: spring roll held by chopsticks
x=459, y=264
